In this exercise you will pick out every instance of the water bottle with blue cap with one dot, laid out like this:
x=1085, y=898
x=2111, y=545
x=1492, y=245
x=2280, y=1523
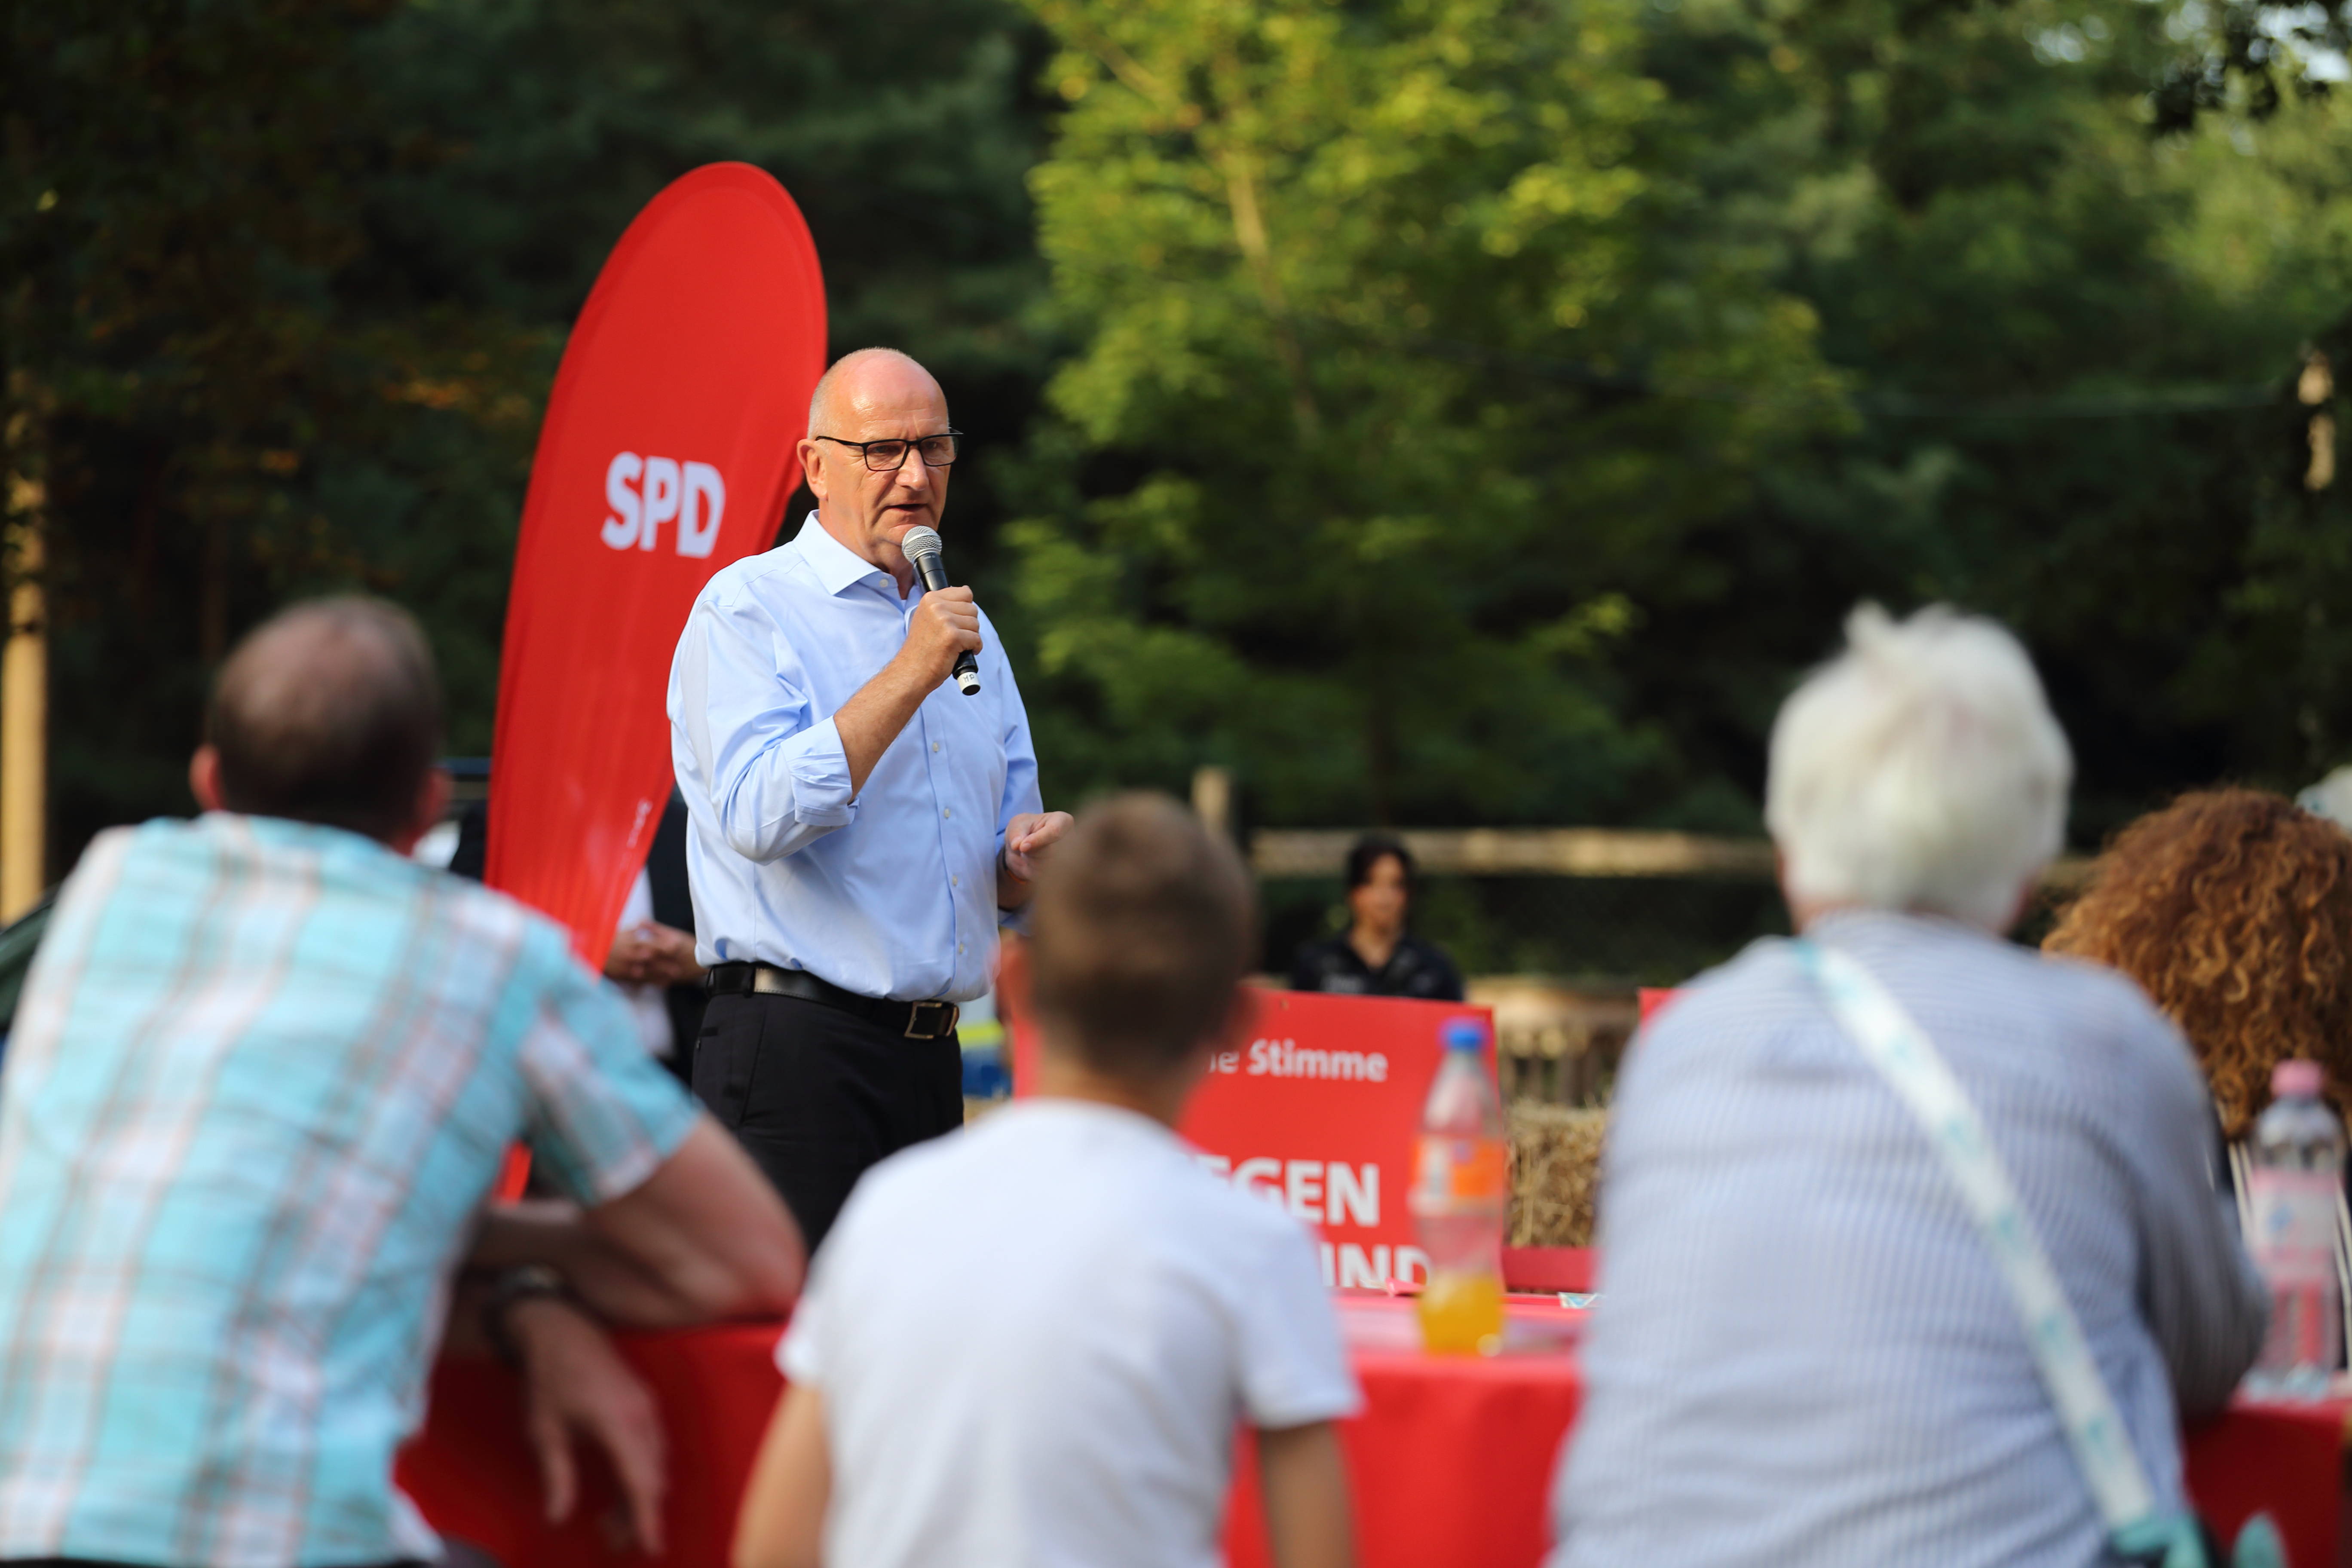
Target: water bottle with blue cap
x=1460, y=1197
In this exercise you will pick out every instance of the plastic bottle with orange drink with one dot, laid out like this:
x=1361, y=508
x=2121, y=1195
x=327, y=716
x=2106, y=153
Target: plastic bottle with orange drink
x=1459, y=1198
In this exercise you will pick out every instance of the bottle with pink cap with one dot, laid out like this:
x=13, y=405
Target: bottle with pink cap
x=2295, y=1170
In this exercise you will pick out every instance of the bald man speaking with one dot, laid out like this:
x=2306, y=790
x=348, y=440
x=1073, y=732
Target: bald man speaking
x=858, y=822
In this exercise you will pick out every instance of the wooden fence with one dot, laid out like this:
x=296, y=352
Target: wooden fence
x=1556, y=1042
x=1550, y=852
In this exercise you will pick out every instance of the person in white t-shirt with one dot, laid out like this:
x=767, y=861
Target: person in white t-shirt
x=1031, y=1343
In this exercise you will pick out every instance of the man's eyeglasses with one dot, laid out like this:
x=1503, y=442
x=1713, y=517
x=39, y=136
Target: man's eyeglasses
x=890, y=457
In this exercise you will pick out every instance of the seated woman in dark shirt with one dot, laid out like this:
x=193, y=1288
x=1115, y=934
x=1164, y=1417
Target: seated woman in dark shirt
x=1374, y=956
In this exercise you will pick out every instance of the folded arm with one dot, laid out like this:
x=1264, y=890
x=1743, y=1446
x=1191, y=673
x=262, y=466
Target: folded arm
x=778, y=776
x=945, y=623
x=704, y=1238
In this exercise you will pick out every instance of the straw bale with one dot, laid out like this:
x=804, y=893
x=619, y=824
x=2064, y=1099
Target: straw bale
x=1555, y=1173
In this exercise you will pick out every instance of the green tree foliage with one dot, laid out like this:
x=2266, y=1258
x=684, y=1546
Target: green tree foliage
x=1465, y=410
x=2247, y=57
x=2073, y=339
x=283, y=282
x=189, y=380
x=1302, y=510
x=1659, y=334
x=904, y=130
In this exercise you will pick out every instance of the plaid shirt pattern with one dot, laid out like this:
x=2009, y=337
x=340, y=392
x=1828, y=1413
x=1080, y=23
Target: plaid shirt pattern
x=262, y=1076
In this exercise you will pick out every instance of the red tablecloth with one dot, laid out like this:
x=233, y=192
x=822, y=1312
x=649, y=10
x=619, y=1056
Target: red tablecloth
x=471, y=1470
x=1451, y=1462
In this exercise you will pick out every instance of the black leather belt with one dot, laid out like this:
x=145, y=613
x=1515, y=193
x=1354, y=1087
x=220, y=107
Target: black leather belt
x=915, y=1020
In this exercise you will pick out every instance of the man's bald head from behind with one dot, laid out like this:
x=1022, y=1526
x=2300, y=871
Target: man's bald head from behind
x=328, y=713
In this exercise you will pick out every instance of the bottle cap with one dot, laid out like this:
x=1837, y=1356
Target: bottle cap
x=1464, y=1034
x=2296, y=1078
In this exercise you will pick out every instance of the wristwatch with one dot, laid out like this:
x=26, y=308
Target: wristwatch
x=508, y=1288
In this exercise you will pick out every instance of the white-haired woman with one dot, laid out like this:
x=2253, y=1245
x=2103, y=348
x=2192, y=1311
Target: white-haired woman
x=1805, y=1352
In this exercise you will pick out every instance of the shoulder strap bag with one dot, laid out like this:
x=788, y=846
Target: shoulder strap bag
x=2137, y=1532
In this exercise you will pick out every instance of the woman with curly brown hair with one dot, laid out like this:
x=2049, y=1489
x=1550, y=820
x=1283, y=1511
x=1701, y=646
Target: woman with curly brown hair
x=2233, y=911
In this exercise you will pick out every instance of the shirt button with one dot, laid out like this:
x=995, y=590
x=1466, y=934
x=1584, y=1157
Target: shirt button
x=958, y=947
x=935, y=745
x=955, y=881
x=945, y=812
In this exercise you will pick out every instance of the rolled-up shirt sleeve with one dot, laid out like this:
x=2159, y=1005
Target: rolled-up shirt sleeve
x=777, y=777
x=604, y=1115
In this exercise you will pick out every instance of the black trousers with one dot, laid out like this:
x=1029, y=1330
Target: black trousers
x=817, y=1095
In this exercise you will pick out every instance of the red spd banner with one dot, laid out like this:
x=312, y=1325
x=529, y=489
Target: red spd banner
x=667, y=452
x=1317, y=1111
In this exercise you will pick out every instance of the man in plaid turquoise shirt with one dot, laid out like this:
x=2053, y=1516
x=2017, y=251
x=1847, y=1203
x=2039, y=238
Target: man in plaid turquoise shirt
x=264, y=1074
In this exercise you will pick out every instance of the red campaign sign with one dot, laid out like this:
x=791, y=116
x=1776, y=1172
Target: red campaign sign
x=1316, y=1110
x=668, y=451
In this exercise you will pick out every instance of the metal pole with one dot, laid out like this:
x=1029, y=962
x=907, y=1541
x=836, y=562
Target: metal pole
x=23, y=736
x=2316, y=387
x=1212, y=799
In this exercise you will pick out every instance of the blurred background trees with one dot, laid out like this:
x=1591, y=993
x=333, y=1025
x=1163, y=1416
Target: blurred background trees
x=283, y=284
x=1436, y=411
x=1721, y=315
x=1352, y=477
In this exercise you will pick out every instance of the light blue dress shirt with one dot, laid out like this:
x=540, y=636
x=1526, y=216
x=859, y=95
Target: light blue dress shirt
x=892, y=893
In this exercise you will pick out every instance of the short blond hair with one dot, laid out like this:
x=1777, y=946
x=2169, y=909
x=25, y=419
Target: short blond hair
x=1144, y=923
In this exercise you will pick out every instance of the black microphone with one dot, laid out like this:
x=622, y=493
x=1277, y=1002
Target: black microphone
x=920, y=546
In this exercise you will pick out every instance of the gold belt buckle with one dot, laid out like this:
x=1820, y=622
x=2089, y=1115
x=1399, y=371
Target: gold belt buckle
x=933, y=1012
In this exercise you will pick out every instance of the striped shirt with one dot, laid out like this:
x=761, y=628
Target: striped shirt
x=1803, y=1352
x=262, y=1078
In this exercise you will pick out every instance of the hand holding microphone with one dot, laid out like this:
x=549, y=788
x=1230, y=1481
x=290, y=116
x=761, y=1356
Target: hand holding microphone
x=951, y=609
